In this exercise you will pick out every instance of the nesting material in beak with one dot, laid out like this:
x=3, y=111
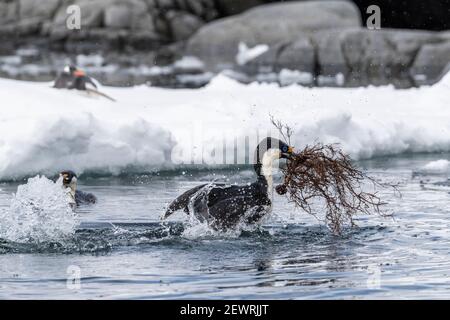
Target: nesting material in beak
x=325, y=176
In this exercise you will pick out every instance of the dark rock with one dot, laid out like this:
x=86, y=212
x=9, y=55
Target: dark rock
x=210, y=10
x=118, y=16
x=330, y=60
x=210, y=14
x=9, y=12
x=231, y=7
x=93, y=40
x=46, y=28
x=151, y=4
x=382, y=56
x=44, y=9
x=321, y=38
x=91, y=17
x=298, y=55
x=269, y=24
x=180, y=5
x=162, y=27
x=431, y=60
x=195, y=7
x=166, y=4
x=411, y=14
x=142, y=40
x=129, y=15
x=263, y=64
x=143, y=21
x=28, y=26
x=27, y=16
x=183, y=24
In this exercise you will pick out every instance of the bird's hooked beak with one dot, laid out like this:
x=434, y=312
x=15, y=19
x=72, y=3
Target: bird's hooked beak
x=288, y=154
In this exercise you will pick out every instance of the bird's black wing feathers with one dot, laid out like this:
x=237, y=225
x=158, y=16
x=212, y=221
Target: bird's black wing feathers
x=84, y=198
x=223, y=204
x=220, y=193
x=182, y=201
x=256, y=191
x=228, y=212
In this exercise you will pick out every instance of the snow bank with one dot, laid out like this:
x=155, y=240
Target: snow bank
x=436, y=167
x=43, y=130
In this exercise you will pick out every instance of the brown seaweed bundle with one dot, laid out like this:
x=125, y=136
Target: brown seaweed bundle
x=322, y=175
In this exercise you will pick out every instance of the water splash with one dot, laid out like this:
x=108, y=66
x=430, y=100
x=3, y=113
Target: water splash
x=199, y=227
x=39, y=212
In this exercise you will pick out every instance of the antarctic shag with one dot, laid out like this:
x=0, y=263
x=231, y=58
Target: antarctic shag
x=76, y=197
x=73, y=78
x=224, y=206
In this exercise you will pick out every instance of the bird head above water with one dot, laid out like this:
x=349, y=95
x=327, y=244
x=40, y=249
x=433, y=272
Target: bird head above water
x=75, y=197
x=269, y=150
x=69, y=179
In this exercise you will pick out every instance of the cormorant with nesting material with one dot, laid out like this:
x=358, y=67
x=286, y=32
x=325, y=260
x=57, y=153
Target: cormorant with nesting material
x=224, y=206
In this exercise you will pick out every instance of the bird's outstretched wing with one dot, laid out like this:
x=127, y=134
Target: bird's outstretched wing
x=84, y=198
x=181, y=202
x=223, y=205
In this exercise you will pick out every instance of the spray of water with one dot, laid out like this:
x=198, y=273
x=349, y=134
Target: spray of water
x=199, y=228
x=39, y=212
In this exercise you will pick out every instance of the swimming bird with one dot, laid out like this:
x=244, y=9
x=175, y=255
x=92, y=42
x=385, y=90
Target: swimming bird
x=224, y=206
x=76, y=197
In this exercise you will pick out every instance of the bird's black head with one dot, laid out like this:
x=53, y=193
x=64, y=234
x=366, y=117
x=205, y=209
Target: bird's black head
x=278, y=148
x=68, y=177
x=285, y=151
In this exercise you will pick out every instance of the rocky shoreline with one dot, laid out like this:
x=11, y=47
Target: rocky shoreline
x=314, y=43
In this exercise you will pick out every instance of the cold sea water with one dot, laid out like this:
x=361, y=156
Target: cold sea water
x=119, y=248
